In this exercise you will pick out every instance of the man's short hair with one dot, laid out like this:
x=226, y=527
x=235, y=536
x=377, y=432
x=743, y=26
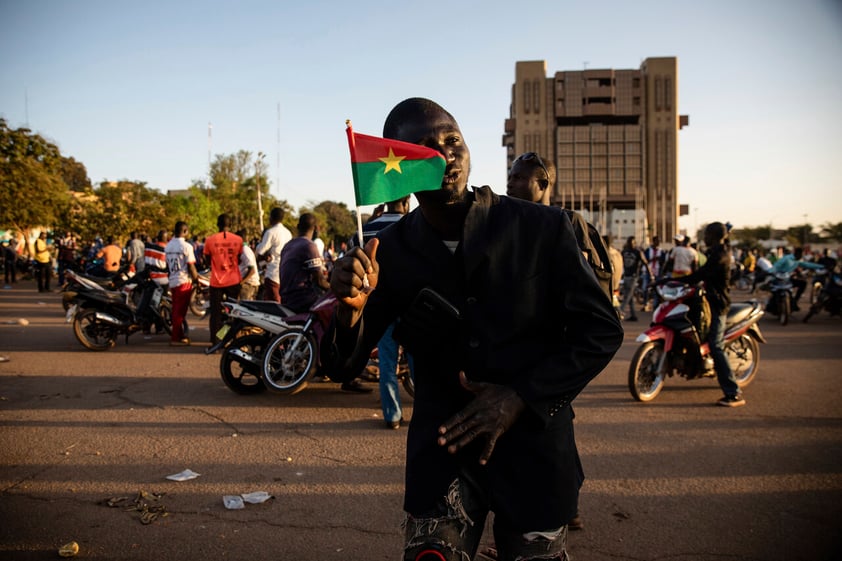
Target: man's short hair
x=306, y=222
x=276, y=215
x=223, y=221
x=410, y=109
x=180, y=228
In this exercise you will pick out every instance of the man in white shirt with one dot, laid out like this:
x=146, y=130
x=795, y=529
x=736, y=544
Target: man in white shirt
x=248, y=270
x=274, y=239
x=181, y=263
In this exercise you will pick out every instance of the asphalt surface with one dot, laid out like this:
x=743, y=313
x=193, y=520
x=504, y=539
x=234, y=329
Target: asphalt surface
x=677, y=479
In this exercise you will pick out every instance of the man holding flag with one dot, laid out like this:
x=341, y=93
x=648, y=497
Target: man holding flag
x=506, y=324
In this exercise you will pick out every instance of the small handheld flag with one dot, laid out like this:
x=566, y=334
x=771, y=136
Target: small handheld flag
x=386, y=170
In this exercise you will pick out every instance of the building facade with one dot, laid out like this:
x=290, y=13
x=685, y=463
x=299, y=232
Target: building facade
x=613, y=136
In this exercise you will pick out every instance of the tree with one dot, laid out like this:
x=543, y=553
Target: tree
x=31, y=175
x=236, y=179
x=336, y=222
x=832, y=231
x=120, y=207
x=799, y=236
x=197, y=208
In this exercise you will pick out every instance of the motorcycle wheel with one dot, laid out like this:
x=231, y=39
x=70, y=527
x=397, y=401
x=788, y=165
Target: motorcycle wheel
x=645, y=381
x=93, y=334
x=783, y=309
x=816, y=307
x=199, y=304
x=290, y=361
x=241, y=362
x=405, y=375
x=743, y=355
x=166, y=317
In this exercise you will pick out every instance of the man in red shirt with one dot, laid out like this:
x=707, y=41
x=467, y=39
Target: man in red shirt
x=222, y=250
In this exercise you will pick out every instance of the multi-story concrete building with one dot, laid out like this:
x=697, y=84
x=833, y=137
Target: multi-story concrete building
x=613, y=136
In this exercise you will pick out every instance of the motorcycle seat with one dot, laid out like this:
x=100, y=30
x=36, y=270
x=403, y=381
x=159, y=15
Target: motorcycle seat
x=266, y=307
x=739, y=311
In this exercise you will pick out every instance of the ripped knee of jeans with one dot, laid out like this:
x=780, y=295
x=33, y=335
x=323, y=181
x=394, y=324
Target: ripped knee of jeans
x=439, y=538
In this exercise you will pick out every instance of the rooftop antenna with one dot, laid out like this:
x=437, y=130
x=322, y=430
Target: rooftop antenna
x=585, y=64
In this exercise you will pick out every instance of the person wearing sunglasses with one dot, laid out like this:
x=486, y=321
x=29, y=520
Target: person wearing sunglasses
x=531, y=178
x=504, y=332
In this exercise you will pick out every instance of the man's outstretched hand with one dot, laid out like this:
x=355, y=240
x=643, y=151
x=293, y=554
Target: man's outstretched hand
x=492, y=412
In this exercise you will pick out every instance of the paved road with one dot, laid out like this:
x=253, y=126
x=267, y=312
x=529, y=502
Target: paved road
x=677, y=479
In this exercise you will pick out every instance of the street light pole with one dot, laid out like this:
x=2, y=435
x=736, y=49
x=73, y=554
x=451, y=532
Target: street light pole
x=260, y=156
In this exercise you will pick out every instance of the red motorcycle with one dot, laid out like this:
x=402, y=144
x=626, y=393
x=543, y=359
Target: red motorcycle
x=673, y=343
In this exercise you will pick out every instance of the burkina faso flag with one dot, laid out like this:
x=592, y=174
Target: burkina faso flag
x=386, y=170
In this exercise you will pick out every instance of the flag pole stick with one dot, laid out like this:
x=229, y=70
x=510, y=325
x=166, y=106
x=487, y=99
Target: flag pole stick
x=359, y=215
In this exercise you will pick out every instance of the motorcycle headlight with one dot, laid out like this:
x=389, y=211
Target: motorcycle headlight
x=672, y=291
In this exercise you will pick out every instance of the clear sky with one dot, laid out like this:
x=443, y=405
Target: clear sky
x=128, y=88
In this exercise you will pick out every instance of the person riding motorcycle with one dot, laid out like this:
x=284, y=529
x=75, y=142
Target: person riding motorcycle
x=791, y=263
x=716, y=275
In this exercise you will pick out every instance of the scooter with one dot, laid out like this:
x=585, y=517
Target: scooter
x=673, y=342
x=779, y=302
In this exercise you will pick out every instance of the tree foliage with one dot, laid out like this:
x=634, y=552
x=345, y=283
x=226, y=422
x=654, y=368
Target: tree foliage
x=832, y=231
x=31, y=175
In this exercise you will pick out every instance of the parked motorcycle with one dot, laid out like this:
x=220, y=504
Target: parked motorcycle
x=780, y=300
x=99, y=316
x=248, y=327
x=372, y=370
x=200, y=298
x=673, y=344
x=292, y=357
x=827, y=294
x=76, y=281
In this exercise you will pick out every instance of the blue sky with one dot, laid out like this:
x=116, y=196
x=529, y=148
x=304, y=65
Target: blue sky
x=128, y=88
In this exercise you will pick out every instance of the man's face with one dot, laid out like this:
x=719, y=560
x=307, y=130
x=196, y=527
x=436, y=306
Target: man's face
x=441, y=133
x=524, y=182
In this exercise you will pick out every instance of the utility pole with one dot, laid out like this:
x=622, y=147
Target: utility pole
x=260, y=156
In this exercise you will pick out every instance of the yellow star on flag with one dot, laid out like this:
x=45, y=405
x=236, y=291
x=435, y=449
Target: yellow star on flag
x=392, y=162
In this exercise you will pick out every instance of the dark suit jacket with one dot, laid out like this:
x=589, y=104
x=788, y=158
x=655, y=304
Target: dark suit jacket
x=532, y=317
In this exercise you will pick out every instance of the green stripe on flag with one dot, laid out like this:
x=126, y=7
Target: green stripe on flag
x=374, y=185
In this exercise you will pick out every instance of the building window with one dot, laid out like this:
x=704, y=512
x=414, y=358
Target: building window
x=536, y=95
x=527, y=96
x=659, y=93
x=668, y=93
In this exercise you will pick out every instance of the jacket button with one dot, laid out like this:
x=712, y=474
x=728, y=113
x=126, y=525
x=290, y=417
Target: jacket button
x=471, y=301
x=473, y=342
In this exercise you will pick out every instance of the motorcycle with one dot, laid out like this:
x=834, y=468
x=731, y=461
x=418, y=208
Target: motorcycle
x=372, y=370
x=673, y=344
x=248, y=327
x=827, y=294
x=780, y=300
x=200, y=298
x=76, y=281
x=99, y=316
x=292, y=357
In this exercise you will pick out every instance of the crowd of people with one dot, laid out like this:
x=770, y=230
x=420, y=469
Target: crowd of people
x=492, y=426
